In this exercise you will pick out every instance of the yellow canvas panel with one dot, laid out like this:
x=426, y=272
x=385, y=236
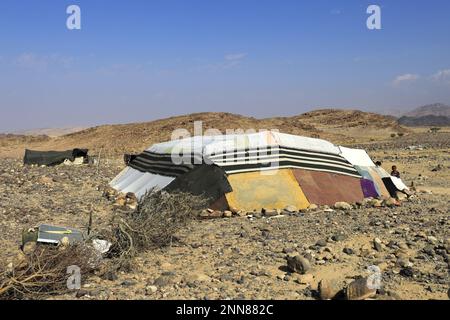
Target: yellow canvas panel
x=273, y=189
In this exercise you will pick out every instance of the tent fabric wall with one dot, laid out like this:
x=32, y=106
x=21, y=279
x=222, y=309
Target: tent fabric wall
x=125, y=178
x=367, y=175
x=323, y=188
x=131, y=180
x=390, y=186
x=357, y=157
x=368, y=188
x=207, y=180
x=379, y=184
x=270, y=190
x=364, y=172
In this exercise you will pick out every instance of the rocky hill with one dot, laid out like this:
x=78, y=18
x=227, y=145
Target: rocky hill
x=436, y=114
x=338, y=126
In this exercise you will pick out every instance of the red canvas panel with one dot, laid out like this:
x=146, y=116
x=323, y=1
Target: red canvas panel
x=328, y=188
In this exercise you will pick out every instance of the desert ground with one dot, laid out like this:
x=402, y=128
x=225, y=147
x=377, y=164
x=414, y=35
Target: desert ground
x=244, y=257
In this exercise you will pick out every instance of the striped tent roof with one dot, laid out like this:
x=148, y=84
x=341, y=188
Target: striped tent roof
x=244, y=153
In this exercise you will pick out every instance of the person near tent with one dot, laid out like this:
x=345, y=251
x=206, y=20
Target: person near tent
x=395, y=172
x=378, y=163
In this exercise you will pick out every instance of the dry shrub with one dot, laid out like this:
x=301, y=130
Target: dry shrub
x=155, y=221
x=44, y=271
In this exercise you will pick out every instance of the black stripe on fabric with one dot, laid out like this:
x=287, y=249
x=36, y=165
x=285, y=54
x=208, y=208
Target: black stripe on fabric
x=230, y=156
x=162, y=172
x=169, y=167
x=289, y=149
x=165, y=170
x=163, y=163
x=257, y=166
x=185, y=159
x=273, y=158
x=314, y=154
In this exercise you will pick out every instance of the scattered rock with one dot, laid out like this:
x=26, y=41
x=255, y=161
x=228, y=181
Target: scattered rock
x=151, y=289
x=120, y=202
x=437, y=168
x=338, y=237
x=129, y=283
x=358, y=290
x=404, y=263
x=46, y=181
x=328, y=289
x=391, y=202
x=377, y=244
x=290, y=209
x=288, y=250
x=164, y=281
x=348, y=251
x=298, y=264
x=227, y=214
x=321, y=243
x=304, y=278
x=432, y=239
x=110, y=275
x=29, y=247
x=343, y=206
x=407, y=272
x=375, y=203
x=272, y=213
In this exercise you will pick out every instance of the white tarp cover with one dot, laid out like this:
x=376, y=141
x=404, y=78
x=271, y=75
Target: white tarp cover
x=207, y=145
x=357, y=157
x=399, y=183
x=131, y=180
x=305, y=143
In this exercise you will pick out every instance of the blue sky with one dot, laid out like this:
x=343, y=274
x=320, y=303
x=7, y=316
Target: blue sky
x=140, y=60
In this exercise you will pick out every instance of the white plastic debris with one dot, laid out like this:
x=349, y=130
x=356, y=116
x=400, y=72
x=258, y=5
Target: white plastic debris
x=101, y=246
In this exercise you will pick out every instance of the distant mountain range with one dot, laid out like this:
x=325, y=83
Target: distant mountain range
x=437, y=114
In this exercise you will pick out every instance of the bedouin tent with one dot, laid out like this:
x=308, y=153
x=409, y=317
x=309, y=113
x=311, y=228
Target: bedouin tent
x=52, y=158
x=252, y=171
